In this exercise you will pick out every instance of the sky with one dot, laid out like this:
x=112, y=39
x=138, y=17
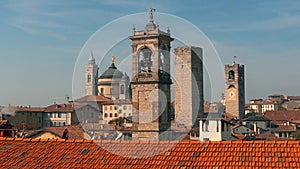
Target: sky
x=41, y=41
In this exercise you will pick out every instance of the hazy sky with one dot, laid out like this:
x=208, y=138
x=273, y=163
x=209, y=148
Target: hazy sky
x=40, y=41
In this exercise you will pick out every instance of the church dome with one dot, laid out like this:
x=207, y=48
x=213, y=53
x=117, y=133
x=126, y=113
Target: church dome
x=111, y=72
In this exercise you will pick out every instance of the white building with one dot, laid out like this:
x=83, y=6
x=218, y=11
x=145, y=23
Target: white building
x=215, y=129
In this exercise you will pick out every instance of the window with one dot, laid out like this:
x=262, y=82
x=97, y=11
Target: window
x=39, y=119
x=116, y=114
x=51, y=123
x=102, y=91
x=35, y=114
x=58, y=123
x=110, y=114
x=30, y=114
x=116, y=107
x=122, y=89
x=89, y=78
x=92, y=115
x=231, y=75
x=124, y=107
x=105, y=107
x=54, y=123
x=59, y=115
x=110, y=107
x=105, y=115
x=124, y=114
x=64, y=123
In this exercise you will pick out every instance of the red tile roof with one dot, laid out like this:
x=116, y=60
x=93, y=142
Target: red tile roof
x=60, y=108
x=31, y=153
x=90, y=98
x=283, y=128
x=74, y=131
x=283, y=115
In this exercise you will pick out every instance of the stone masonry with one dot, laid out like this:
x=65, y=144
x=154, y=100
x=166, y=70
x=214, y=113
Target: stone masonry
x=188, y=85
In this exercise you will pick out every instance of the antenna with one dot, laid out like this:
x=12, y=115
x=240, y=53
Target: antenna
x=234, y=58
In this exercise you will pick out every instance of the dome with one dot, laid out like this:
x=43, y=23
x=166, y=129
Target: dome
x=111, y=72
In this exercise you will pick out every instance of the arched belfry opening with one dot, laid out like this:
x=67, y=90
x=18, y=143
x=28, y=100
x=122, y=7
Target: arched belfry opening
x=231, y=75
x=145, y=60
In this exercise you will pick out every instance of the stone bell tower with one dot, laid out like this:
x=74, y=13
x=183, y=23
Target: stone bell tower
x=151, y=81
x=91, y=77
x=235, y=90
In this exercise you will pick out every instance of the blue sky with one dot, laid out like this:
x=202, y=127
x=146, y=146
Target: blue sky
x=40, y=41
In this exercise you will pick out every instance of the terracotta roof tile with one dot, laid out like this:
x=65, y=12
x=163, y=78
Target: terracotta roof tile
x=40, y=153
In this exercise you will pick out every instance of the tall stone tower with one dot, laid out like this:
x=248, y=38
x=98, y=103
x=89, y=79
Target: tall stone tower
x=151, y=81
x=235, y=90
x=91, y=77
x=188, y=86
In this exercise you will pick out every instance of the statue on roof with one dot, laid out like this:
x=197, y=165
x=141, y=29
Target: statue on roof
x=151, y=15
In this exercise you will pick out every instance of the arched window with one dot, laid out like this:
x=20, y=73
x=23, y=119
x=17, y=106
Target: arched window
x=231, y=75
x=231, y=86
x=122, y=89
x=145, y=60
x=89, y=78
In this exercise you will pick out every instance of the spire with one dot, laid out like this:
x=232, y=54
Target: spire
x=92, y=59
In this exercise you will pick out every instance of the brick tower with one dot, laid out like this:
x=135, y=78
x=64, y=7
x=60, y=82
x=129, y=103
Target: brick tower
x=151, y=81
x=235, y=90
x=188, y=85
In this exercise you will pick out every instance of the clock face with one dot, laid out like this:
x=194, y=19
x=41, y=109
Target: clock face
x=231, y=94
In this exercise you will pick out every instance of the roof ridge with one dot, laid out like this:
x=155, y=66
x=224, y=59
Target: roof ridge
x=154, y=141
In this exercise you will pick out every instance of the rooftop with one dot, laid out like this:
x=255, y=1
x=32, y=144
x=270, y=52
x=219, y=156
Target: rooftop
x=36, y=153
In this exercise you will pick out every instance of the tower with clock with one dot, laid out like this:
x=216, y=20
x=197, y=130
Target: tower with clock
x=235, y=90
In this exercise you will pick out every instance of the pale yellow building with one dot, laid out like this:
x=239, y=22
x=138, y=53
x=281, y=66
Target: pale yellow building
x=117, y=109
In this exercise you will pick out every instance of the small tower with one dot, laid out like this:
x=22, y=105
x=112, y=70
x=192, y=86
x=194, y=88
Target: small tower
x=235, y=90
x=151, y=81
x=188, y=75
x=91, y=77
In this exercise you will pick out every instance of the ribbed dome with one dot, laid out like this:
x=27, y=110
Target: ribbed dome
x=111, y=72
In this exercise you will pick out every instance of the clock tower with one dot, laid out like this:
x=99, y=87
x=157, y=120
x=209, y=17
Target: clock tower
x=235, y=90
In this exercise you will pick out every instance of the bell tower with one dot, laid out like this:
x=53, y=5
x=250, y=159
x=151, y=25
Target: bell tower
x=235, y=90
x=91, y=77
x=151, y=81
